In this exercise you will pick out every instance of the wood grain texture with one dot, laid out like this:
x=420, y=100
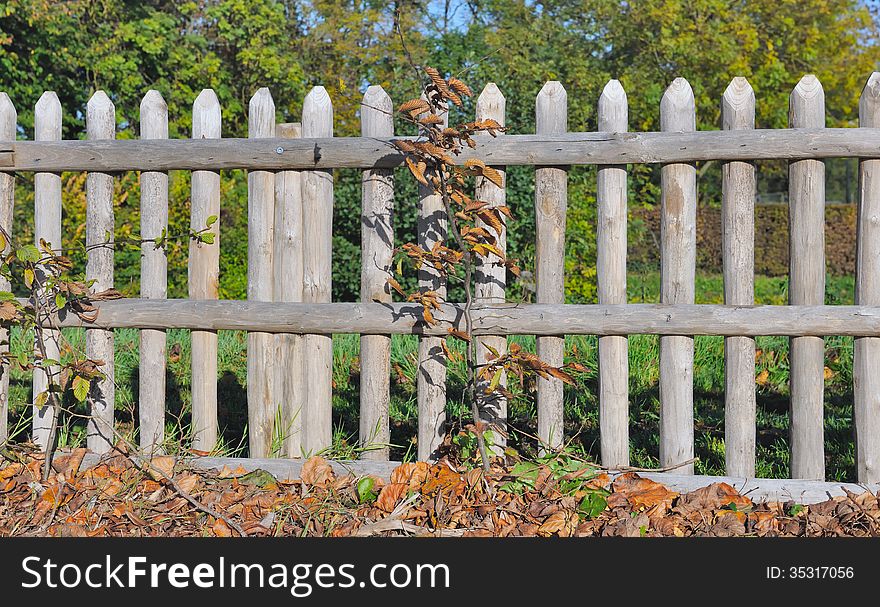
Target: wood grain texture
x=611, y=225
x=8, y=122
x=678, y=247
x=290, y=381
x=433, y=225
x=497, y=319
x=551, y=202
x=204, y=276
x=261, y=347
x=47, y=226
x=491, y=276
x=866, y=350
x=368, y=153
x=807, y=286
x=154, y=280
x=377, y=243
x=317, y=121
x=100, y=124
x=738, y=192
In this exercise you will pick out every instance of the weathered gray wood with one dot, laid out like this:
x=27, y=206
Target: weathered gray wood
x=204, y=276
x=738, y=191
x=261, y=348
x=678, y=248
x=377, y=243
x=491, y=277
x=763, y=489
x=611, y=203
x=8, y=122
x=512, y=150
x=154, y=280
x=288, y=260
x=866, y=350
x=47, y=226
x=757, y=489
x=551, y=202
x=317, y=121
x=100, y=124
x=807, y=285
x=431, y=382
x=496, y=319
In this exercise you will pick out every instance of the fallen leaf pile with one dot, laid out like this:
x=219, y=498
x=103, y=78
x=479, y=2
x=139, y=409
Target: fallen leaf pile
x=119, y=498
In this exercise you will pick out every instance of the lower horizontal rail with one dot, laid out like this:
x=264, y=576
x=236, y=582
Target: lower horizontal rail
x=496, y=319
x=757, y=489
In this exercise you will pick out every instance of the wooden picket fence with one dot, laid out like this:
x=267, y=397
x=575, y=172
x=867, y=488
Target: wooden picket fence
x=290, y=317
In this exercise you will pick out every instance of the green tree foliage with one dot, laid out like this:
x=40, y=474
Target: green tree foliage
x=235, y=46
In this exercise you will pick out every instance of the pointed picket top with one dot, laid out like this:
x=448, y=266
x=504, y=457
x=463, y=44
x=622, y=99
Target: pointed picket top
x=100, y=117
x=261, y=114
x=738, y=105
x=47, y=117
x=377, y=113
x=317, y=119
x=613, y=108
x=491, y=104
x=154, y=116
x=869, y=103
x=551, y=109
x=677, y=110
x=206, y=116
x=8, y=118
x=806, y=108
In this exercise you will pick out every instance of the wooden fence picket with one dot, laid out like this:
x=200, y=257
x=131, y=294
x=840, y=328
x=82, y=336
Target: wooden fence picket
x=678, y=247
x=100, y=124
x=551, y=203
x=806, y=217
x=261, y=348
x=47, y=226
x=204, y=276
x=377, y=244
x=8, y=122
x=866, y=350
x=491, y=277
x=288, y=261
x=611, y=201
x=154, y=280
x=317, y=200
x=433, y=226
x=738, y=193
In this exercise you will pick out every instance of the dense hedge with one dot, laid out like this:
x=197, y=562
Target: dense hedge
x=771, y=239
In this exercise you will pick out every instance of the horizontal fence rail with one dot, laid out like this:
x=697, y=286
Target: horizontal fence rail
x=277, y=154
x=495, y=319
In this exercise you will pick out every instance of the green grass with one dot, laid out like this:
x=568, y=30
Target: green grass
x=581, y=404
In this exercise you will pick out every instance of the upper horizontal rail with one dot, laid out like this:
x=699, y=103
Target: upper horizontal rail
x=365, y=152
x=496, y=319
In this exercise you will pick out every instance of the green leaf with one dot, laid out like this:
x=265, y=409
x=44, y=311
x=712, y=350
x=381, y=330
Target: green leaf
x=207, y=237
x=28, y=253
x=60, y=301
x=592, y=504
x=496, y=379
x=80, y=388
x=211, y=220
x=365, y=490
x=6, y=296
